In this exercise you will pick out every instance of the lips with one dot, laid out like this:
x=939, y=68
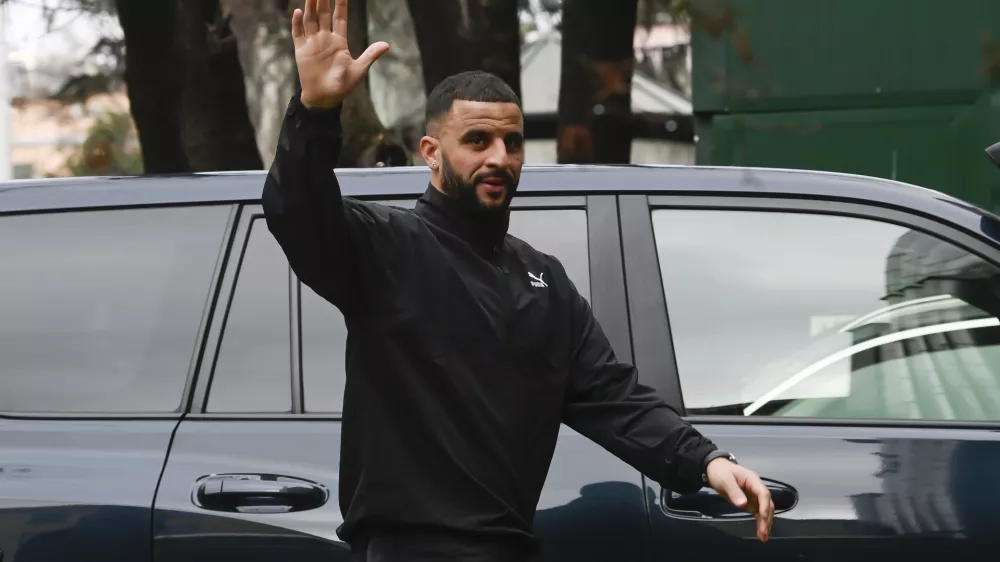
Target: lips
x=494, y=185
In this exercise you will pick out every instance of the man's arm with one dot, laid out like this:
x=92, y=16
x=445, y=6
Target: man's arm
x=323, y=235
x=606, y=403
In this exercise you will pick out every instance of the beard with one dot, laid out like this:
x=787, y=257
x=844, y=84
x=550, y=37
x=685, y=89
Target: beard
x=463, y=191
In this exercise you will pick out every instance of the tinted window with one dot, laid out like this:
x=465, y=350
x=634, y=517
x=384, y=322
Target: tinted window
x=823, y=316
x=561, y=233
x=253, y=373
x=100, y=310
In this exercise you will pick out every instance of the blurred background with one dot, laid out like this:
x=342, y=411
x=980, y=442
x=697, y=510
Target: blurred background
x=899, y=89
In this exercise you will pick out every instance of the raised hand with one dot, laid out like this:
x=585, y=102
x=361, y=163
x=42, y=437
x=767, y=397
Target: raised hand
x=327, y=71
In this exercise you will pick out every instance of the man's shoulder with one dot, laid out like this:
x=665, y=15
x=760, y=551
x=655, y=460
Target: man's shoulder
x=379, y=211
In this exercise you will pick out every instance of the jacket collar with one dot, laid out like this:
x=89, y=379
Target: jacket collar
x=484, y=234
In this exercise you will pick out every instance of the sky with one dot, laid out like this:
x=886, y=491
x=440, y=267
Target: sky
x=32, y=41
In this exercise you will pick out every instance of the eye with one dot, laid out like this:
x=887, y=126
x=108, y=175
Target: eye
x=514, y=143
x=477, y=140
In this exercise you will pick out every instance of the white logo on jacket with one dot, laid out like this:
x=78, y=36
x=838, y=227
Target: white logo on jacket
x=536, y=280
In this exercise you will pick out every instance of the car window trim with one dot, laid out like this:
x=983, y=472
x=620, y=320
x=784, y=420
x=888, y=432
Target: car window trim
x=198, y=355
x=872, y=211
x=608, y=292
x=645, y=262
x=197, y=347
x=224, y=302
x=652, y=341
x=842, y=422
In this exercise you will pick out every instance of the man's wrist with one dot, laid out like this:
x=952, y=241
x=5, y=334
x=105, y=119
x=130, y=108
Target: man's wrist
x=310, y=107
x=714, y=455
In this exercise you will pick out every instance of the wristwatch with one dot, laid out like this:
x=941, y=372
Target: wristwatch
x=711, y=457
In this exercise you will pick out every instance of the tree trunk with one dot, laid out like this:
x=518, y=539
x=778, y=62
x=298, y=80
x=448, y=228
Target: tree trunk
x=366, y=142
x=267, y=56
x=215, y=126
x=153, y=80
x=460, y=35
x=595, y=90
x=396, y=83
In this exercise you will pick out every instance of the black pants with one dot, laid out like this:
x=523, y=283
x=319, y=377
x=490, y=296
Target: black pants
x=435, y=547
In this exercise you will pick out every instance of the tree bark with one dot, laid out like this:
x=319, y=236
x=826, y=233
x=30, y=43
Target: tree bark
x=215, y=126
x=459, y=35
x=595, y=90
x=267, y=57
x=366, y=143
x=396, y=83
x=153, y=80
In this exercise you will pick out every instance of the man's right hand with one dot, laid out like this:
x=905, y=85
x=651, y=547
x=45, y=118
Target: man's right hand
x=327, y=71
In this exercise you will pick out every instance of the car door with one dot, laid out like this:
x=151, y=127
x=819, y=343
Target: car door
x=849, y=354
x=100, y=311
x=265, y=417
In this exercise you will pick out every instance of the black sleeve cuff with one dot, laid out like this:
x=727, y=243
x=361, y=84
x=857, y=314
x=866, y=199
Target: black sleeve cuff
x=314, y=121
x=306, y=129
x=690, y=475
x=711, y=457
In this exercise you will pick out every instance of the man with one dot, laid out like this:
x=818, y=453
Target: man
x=461, y=364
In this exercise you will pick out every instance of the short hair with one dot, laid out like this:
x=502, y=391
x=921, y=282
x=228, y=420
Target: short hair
x=471, y=85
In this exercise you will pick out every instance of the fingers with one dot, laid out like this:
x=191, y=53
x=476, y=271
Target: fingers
x=731, y=489
x=763, y=507
x=298, y=30
x=323, y=15
x=340, y=18
x=311, y=18
x=372, y=53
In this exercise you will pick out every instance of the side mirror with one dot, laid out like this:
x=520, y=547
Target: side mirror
x=994, y=153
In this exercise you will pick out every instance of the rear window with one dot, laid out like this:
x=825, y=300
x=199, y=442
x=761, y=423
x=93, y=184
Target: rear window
x=100, y=310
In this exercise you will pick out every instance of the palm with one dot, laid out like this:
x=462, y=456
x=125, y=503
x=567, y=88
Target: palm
x=327, y=71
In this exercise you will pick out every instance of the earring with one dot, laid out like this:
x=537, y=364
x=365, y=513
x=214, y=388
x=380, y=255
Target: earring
x=434, y=164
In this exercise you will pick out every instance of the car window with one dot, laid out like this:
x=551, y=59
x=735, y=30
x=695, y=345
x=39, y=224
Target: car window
x=805, y=315
x=101, y=309
x=562, y=233
x=253, y=371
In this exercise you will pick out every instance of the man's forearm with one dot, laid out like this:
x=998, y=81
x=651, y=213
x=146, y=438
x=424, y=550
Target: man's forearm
x=646, y=433
x=302, y=200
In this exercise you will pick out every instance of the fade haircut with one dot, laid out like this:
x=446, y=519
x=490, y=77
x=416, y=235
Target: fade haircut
x=472, y=85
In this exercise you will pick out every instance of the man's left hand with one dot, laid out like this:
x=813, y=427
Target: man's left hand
x=743, y=488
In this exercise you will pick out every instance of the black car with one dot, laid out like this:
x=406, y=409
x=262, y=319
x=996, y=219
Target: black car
x=171, y=392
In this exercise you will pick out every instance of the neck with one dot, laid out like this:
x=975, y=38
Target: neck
x=484, y=229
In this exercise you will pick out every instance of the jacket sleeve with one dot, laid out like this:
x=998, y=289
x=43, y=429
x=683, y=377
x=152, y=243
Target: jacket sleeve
x=606, y=404
x=333, y=244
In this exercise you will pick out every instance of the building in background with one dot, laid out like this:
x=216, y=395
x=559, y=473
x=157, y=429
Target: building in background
x=45, y=132
x=663, y=122
x=909, y=90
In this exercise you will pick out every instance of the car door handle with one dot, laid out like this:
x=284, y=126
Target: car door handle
x=258, y=493
x=709, y=504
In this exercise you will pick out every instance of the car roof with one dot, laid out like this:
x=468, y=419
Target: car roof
x=407, y=182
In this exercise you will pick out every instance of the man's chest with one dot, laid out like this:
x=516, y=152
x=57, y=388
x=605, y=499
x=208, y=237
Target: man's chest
x=503, y=305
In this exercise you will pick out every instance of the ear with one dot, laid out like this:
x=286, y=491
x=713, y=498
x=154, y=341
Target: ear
x=430, y=149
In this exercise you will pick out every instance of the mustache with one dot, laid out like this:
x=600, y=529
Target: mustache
x=500, y=175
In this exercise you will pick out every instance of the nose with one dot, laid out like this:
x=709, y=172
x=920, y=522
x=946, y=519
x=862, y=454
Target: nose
x=498, y=156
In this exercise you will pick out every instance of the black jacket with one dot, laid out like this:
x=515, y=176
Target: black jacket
x=459, y=370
